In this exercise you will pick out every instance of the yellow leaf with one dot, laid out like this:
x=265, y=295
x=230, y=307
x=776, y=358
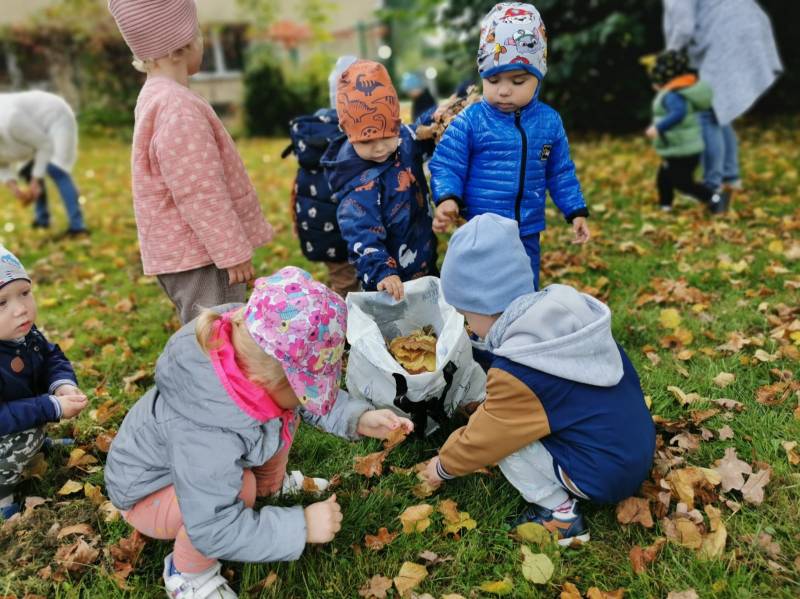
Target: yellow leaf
x=498, y=587
x=409, y=577
x=533, y=532
x=70, y=487
x=48, y=302
x=536, y=567
x=416, y=518
x=775, y=246
x=669, y=318
x=723, y=379
x=714, y=542
x=464, y=521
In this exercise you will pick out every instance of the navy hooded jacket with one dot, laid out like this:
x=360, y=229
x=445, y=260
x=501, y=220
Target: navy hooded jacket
x=384, y=210
x=503, y=162
x=30, y=371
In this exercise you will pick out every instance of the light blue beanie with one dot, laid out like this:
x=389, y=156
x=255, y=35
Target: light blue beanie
x=486, y=267
x=410, y=81
x=11, y=268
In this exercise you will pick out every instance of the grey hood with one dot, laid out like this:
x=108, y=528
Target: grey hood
x=562, y=332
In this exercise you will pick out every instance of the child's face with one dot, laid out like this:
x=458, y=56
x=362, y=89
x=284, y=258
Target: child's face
x=17, y=310
x=376, y=150
x=510, y=90
x=194, y=55
x=480, y=323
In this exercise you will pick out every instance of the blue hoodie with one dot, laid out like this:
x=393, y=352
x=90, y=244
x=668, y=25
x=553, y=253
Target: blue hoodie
x=384, y=210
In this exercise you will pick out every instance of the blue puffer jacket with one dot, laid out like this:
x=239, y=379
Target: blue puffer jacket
x=384, y=210
x=502, y=162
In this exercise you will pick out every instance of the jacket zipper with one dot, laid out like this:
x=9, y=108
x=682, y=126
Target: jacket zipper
x=518, y=204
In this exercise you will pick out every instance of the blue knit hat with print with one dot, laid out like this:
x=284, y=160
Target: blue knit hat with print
x=11, y=268
x=512, y=37
x=486, y=267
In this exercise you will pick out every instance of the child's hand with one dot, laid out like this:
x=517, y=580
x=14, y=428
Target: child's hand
x=71, y=405
x=445, y=216
x=241, y=273
x=430, y=475
x=393, y=286
x=581, y=230
x=651, y=132
x=323, y=520
x=378, y=424
x=34, y=190
x=68, y=389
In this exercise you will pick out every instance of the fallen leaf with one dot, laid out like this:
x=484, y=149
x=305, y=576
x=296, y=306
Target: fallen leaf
x=714, y=542
x=376, y=587
x=641, y=558
x=723, y=379
x=370, y=465
x=70, y=487
x=570, y=591
x=683, y=398
x=684, y=532
x=380, y=540
x=464, y=522
x=131, y=387
x=725, y=433
x=536, y=567
x=107, y=411
x=763, y=356
x=498, y=587
x=416, y=518
x=395, y=438
x=686, y=481
x=268, y=581
x=423, y=489
x=635, y=510
x=533, y=532
x=76, y=557
x=126, y=553
x=103, y=441
x=791, y=454
x=79, y=458
x=753, y=489
x=453, y=596
x=770, y=547
x=729, y=404
x=595, y=593
x=449, y=509
x=700, y=416
x=433, y=559
x=75, y=529
x=732, y=470
x=669, y=318
x=409, y=577
x=110, y=513
x=36, y=468
x=688, y=594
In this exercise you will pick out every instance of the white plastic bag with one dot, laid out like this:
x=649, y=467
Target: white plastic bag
x=374, y=318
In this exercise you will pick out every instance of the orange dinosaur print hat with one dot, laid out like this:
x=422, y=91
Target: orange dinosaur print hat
x=366, y=102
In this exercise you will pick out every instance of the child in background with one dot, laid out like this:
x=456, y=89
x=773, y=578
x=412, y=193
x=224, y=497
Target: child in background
x=501, y=154
x=39, y=129
x=676, y=132
x=37, y=382
x=194, y=452
x=422, y=99
x=313, y=204
x=376, y=174
x=564, y=415
x=197, y=214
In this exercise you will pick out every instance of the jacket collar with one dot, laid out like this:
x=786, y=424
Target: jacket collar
x=510, y=115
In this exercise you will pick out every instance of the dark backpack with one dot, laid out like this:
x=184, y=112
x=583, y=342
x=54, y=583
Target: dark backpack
x=311, y=135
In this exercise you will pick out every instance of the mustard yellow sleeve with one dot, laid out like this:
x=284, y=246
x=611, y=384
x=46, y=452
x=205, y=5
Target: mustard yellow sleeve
x=511, y=418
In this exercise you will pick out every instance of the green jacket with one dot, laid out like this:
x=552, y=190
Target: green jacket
x=685, y=138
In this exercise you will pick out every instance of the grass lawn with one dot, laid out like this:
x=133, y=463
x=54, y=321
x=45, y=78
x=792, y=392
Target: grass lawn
x=692, y=297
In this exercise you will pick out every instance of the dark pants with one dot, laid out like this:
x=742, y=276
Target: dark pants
x=678, y=173
x=531, y=243
x=69, y=195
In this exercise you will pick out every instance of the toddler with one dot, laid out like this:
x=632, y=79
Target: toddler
x=501, y=154
x=197, y=214
x=676, y=131
x=37, y=382
x=214, y=433
x=376, y=175
x=564, y=415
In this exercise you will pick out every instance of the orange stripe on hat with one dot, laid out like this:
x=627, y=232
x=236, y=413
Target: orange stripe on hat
x=366, y=102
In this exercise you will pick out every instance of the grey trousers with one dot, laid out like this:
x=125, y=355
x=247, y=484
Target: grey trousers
x=16, y=450
x=205, y=287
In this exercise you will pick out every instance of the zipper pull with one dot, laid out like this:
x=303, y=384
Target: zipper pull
x=517, y=114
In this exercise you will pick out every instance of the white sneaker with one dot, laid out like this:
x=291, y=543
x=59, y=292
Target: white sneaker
x=205, y=585
x=293, y=483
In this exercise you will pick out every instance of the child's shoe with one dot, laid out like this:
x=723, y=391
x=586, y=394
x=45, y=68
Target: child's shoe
x=719, y=202
x=566, y=521
x=293, y=483
x=204, y=585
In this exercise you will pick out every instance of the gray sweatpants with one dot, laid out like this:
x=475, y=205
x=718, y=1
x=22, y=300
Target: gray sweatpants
x=16, y=450
x=531, y=471
x=203, y=287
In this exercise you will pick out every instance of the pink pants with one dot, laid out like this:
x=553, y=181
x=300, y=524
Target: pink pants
x=159, y=517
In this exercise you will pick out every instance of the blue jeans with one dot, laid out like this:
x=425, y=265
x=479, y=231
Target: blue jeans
x=531, y=243
x=721, y=154
x=67, y=190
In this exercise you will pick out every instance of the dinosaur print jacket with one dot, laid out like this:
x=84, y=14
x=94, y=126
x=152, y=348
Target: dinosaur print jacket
x=384, y=213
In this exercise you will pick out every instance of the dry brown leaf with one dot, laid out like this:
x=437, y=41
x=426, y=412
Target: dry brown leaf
x=714, y=542
x=776, y=393
x=423, y=488
x=432, y=559
x=686, y=482
x=103, y=441
x=262, y=585
x=723, y=379
x=370, y=465
x=31, y=503
x=395, y=438
x=729, y=404
x=570, y=591
x=700, y=416
x=464, y=521
x=416, y=518
x=791, y=454
x=753, y=489
x=75, y=529
x=449, y=509
x=687, y=594
x=732, y=470
x=595, y=593
x=725, y=433
x=409, y=577
x=36, y=468
x=379, y=541
x=376, y=587
x=107, y=411
x=78, y=458
x=635, y=510
x=109, y=512
x=683, y=398
x=76, y=557
x=641, y=558
x=70, y=487
x=688, y=535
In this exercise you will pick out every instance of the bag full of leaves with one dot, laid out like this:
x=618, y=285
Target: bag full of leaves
x=412, y=356
x=446, y=112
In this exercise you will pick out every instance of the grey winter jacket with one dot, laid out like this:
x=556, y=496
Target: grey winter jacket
x=732, y=45
x=186, y=431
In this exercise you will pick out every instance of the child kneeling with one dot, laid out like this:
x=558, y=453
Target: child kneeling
x=564, y=415
x=194, y=452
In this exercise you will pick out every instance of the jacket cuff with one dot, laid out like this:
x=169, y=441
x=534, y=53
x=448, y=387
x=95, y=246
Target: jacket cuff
x=576, y=213
x=56, y=384
x=443, y=474
x=453, y=197
x=56, y=407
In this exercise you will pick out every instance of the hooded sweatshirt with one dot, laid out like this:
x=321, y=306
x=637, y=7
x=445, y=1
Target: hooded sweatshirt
x=560, y=378
x=188, y=432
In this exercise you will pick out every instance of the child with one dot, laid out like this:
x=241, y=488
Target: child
x=501, y=154
x=194, y=452
x=37, y=382
x=39, y=129
x=376, y=174
x=676, y=132
x=313, y=206
x=197, y=214
x=564, y=414
x=422, y=99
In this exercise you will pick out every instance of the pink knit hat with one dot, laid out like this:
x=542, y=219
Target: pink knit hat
x=154, y=28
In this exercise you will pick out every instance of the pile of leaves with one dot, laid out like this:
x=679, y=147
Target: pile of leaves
x=444, y=115
x=416, y=352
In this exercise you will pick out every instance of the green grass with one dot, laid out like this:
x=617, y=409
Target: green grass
x=79, y=286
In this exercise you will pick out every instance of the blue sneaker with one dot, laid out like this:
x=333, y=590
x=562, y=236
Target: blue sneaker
x=568, y=524
x=7, y=511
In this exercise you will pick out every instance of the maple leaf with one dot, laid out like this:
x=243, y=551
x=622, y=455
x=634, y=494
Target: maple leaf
x=423, y=489
x=641, y=558
x=635, y=510
x=409, y=577
x=376, y=587
x=536, y=567
x=370, y=465
x=753, y=489
x=732, y=470
x=416, y=518
x=379, y=541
